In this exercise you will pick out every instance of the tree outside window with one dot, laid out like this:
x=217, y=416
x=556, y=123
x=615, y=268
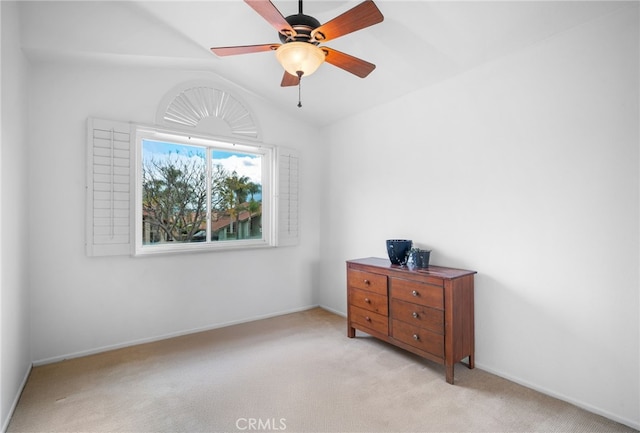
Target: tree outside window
x=199, y=194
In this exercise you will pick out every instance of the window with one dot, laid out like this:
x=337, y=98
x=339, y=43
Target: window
x=199, y=193
x=153, y=191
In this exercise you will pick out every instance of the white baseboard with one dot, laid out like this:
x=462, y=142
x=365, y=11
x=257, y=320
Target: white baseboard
x=166, y=336
x=5, y=424
x=635, y=424
x=331, y=310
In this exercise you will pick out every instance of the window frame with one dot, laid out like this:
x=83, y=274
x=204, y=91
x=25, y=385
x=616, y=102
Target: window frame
x=268, y=185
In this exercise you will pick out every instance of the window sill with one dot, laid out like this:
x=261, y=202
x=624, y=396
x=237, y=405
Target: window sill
x=221, y=246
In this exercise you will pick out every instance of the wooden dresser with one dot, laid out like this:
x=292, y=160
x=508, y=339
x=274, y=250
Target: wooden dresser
x=426, y=311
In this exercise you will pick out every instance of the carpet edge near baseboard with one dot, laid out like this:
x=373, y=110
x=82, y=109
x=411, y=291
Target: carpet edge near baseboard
x=131, y=343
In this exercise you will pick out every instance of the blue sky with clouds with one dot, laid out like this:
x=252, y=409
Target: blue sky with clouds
x=244, y=164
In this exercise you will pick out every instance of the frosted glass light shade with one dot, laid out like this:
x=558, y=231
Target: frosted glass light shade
x=300, y=56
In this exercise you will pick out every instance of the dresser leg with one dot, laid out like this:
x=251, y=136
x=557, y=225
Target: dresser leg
x=449, y=374
x=351, y=332
x=472, y=363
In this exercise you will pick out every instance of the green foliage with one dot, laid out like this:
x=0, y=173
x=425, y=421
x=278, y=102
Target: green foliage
x=235, y=190
x=174, y=197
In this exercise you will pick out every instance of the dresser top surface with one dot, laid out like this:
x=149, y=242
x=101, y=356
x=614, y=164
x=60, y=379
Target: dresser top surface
x=436, y=271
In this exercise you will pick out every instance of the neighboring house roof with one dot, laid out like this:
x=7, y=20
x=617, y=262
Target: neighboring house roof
x=225, y=220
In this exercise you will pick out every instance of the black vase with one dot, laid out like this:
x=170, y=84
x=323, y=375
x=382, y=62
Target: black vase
x=397, y=249
x=423, y=258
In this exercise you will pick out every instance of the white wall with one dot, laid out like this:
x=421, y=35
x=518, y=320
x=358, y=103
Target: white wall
x=526, y=170
x=15, y=356
x=83, y=304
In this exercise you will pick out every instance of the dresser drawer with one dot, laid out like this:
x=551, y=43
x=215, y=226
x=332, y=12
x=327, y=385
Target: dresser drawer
x=367, y=281
x=369, y=319
x=369, y=301
x=417, y=293
x=418, y=337
x=418, y=315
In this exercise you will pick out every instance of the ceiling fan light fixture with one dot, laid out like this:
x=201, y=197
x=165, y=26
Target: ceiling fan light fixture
x=300, y=56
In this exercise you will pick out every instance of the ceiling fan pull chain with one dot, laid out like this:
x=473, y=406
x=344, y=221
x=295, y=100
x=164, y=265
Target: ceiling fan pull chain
x=299, y=88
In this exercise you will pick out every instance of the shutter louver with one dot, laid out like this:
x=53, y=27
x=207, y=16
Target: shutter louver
x=288, y=198
x=108, y=188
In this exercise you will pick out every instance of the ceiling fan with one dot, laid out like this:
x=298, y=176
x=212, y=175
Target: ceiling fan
x=299, y=53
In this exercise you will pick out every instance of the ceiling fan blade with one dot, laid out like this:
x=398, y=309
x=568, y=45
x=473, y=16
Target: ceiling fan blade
x=356, y=66
x=364, y=15
x=289, y=80
x=243, y=49
x=269, y=12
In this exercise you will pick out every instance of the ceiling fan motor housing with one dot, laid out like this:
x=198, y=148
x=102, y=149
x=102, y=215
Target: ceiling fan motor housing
x=303, y=25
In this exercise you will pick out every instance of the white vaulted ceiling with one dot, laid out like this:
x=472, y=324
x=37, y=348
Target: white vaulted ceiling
x=419, y=43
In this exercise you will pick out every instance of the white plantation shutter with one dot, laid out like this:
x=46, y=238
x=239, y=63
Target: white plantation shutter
x=288, y=161
x=109, y=188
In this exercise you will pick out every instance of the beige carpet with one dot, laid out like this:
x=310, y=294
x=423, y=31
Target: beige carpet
x=293, y=373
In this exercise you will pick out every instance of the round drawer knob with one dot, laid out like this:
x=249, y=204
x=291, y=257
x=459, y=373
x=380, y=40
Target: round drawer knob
x=367, y=318
x=414, y=293
x=367, y=282
x=415, y=315
x=367, y=300
x=416, y=337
